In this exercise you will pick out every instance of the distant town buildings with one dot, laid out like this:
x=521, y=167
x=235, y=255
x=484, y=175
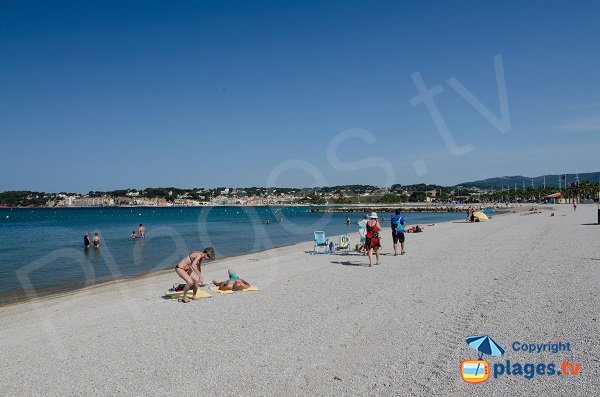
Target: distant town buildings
x=104, y=201
x=326, y=195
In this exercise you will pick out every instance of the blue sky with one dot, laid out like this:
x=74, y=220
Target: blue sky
x=100, y=95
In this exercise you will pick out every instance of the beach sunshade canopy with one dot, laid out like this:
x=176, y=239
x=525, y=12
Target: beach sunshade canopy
x=481, y=216
x=555, y=195
x=485, y=345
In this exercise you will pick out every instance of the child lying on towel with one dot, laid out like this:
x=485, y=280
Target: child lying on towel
x=234, y=283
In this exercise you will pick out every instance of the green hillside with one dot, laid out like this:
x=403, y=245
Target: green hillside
x=538, y=181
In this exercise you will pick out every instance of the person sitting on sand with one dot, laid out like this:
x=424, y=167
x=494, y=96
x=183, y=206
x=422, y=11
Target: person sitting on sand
x=234, y=283
x=189, y=269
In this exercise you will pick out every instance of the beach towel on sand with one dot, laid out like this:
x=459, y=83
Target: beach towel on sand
x=216, y=289
x=175, y=295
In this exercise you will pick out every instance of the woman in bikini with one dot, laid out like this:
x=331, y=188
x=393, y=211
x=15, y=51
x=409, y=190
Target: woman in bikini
x=189, y=269
x=372, y=241
x=233, y=284
x=96, y=241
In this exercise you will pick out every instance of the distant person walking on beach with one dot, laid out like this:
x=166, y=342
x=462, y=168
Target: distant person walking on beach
x=372, y=241
x=142, y=231
x=190, y=270
x=96, y=241
x=574, y=206
x=398, y=224
x=86, y=240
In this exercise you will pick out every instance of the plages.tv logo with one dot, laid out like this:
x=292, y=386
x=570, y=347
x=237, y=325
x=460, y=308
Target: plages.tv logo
x=478, y=371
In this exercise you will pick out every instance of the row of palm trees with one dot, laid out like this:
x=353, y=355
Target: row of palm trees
x=584, y=191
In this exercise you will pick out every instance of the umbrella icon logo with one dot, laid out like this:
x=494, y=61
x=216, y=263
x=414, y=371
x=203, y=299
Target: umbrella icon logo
x=478, y=371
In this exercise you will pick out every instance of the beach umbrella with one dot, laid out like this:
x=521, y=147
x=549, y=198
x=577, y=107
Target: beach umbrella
x=481, y=216
x=485, y=345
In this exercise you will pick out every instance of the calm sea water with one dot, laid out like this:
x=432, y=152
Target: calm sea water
x=43, y=248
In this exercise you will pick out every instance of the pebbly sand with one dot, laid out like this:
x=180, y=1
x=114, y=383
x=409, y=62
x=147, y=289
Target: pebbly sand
x=327, y=325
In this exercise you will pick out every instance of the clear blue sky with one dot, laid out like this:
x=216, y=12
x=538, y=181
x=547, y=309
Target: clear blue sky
x=101, y=95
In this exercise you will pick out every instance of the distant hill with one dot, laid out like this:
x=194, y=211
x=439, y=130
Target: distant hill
x=519, y=180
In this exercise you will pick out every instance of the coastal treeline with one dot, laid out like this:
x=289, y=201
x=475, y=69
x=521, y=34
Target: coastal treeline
x=26, y=198
x=336, y=195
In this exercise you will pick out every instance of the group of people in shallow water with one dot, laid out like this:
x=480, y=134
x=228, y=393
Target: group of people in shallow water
x=95, y=241
x=141, y=231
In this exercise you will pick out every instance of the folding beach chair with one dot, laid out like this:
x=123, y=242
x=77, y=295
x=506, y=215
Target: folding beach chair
x=320, y=241
x=344, y=243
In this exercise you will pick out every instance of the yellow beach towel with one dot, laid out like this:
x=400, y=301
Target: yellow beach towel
x=216, y=289
x=179, y=294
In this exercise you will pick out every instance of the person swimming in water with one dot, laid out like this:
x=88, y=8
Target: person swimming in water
x=234, y=283
x=190, y=270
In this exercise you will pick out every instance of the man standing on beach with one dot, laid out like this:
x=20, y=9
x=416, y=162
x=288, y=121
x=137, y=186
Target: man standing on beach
x=398, y=224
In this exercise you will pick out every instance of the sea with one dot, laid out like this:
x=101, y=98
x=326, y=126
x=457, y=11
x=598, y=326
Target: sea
x=42, y=251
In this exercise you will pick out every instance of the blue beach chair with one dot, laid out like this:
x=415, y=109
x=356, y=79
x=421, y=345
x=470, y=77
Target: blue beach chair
x=320, y=241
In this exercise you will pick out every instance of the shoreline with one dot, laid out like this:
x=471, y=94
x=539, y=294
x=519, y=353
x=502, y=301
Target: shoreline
x=23, y=297
x=56, y=292
x=16, y=297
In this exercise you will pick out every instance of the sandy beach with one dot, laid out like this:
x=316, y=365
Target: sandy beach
x=328, y=325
